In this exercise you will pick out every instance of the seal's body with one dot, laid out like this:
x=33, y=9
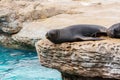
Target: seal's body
x=75, y=33
x=114, y=31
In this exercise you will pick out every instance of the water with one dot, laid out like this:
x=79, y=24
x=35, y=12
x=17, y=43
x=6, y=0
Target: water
x=24, y=65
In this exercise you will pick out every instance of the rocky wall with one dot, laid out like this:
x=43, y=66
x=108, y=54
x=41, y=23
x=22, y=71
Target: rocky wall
x=87, y=58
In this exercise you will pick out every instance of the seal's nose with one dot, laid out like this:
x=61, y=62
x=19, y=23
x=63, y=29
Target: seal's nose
x=46, y=35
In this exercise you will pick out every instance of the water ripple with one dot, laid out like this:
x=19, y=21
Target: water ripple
x=24, y=65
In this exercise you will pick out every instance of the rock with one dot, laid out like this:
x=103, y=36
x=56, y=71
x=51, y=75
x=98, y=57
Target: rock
x=87, y=58
x=8, y=22
x=11, y=27
x=38, y=11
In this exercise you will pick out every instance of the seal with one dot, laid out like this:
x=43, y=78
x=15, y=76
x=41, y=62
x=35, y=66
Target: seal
x=75, y=33
x=114, y=31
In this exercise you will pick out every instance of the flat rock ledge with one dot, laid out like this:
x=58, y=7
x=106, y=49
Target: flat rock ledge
x=87, y=60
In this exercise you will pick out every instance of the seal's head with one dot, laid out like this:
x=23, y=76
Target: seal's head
x=114, y=31
x=53, y=35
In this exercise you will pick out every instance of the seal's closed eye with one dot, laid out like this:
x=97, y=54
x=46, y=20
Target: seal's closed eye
x=52, y=33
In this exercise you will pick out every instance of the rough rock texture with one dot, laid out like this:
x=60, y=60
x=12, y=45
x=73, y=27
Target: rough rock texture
x=8, y=22
x=87, y=58
x=24, y=22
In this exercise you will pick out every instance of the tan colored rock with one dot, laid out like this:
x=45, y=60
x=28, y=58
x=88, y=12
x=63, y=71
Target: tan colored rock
x=87, y=58
x=12, y=27
x=8, y=22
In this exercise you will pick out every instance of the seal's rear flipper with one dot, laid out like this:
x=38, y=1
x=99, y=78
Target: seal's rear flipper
x=98, y=34
x=82, y=38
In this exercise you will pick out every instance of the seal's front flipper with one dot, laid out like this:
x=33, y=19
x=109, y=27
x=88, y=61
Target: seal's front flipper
x=82, y=38
x=91, y=39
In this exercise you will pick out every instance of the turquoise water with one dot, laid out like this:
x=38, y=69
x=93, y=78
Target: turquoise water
x=24, y=65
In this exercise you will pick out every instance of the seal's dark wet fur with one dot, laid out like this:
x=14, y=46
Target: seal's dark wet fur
x=76, y=33
x=114, y=31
